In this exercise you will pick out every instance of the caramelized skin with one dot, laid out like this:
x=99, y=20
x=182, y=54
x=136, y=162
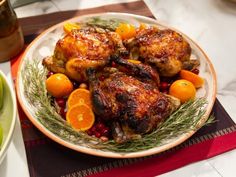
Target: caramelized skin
x=130, y=99
x=81, y=49
x=166, y=49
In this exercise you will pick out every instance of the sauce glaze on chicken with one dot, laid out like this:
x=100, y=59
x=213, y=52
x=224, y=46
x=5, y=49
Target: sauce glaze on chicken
x=81, y=49
x=128, y=98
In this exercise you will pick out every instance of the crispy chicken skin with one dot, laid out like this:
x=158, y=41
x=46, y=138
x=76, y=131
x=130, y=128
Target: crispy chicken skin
x=130, y=100
x=81, y=49
x=166, y=49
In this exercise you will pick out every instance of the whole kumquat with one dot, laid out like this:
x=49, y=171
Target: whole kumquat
x=192, y=77
x=80, y=96
x=80, y=117
x=59, y=85
x=183, y=90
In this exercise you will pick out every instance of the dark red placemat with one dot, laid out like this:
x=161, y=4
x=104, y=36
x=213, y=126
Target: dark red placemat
x=48, y=159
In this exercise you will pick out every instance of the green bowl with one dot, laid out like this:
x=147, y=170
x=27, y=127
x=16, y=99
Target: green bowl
x=7, y=114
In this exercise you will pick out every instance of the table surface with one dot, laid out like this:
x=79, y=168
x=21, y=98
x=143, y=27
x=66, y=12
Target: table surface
x=211, y=23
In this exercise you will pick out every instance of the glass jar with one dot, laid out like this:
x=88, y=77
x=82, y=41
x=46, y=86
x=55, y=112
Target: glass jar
x=11, y=37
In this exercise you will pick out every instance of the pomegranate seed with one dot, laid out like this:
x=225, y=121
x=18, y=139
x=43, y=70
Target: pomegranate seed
x=195, y=71
x=62, y=112
x=164, y=86
x=97, y=134
x=49, y=74
x=100, y=126
x=102, y=78
x=105, y=131
x=113, y=64
x=93, y=129
x=90, y=132
x=61, y=102
x=165, y=91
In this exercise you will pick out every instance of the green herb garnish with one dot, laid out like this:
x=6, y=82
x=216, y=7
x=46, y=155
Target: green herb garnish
x=185, y=119
x=110, y=24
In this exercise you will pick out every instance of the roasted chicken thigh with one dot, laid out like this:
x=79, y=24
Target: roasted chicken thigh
x=130, y=100
x=83, y=48
x=165, y=49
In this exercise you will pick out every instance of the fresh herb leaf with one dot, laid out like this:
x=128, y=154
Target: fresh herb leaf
x=185, y=119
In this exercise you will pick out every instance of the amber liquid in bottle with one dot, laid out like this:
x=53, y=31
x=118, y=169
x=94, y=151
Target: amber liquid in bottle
x=11, y=37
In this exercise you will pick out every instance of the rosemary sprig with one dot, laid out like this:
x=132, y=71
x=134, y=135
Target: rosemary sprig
x=110, y=24
x=185, y=119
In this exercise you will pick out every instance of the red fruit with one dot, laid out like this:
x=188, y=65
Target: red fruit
x=165, y=91
x=164, y=86
x=195, y=71
x=105, y=131
x=62, y=112
x=97, y=134
x=102, y=78
x=90, y=132
x=93, y=129
x=113, y=64
x=49, y=74
x=100, y=126
x=61, y=102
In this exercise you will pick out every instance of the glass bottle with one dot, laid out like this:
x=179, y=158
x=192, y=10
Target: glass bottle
x=11, y=37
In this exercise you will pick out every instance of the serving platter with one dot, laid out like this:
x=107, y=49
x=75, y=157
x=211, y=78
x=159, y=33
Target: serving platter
x=44, y=45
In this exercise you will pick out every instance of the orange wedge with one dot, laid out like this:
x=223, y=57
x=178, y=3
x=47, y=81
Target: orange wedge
x=79, y=96
x=67, y=27
x=80, y=117
x=126, y=31
x=194, y=78
x=134, y=61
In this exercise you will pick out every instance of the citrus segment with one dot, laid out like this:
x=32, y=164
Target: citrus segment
x=134, y=61
x=194, y=78
x=80, y=96
x=80, y=117
x=183, y=90
x=67, y=27
x=59, y=85
x=126, y=31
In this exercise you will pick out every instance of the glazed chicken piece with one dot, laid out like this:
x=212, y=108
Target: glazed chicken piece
x=81, y=49
x=132, y=102
x=165, y=49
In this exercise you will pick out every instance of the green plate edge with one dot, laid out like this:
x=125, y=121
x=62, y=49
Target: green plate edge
x=7, y=115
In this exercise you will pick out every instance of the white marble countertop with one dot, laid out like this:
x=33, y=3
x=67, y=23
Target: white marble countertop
x=211, y=23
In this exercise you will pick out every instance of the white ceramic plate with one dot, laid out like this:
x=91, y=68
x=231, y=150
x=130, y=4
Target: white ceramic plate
x=44, y=46
x=7, y=115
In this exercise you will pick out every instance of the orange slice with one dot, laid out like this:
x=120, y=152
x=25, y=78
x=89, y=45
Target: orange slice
x=67, y=27
x=80, y=96
x=126, y=31
x=80, y=117
x=194, y=78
